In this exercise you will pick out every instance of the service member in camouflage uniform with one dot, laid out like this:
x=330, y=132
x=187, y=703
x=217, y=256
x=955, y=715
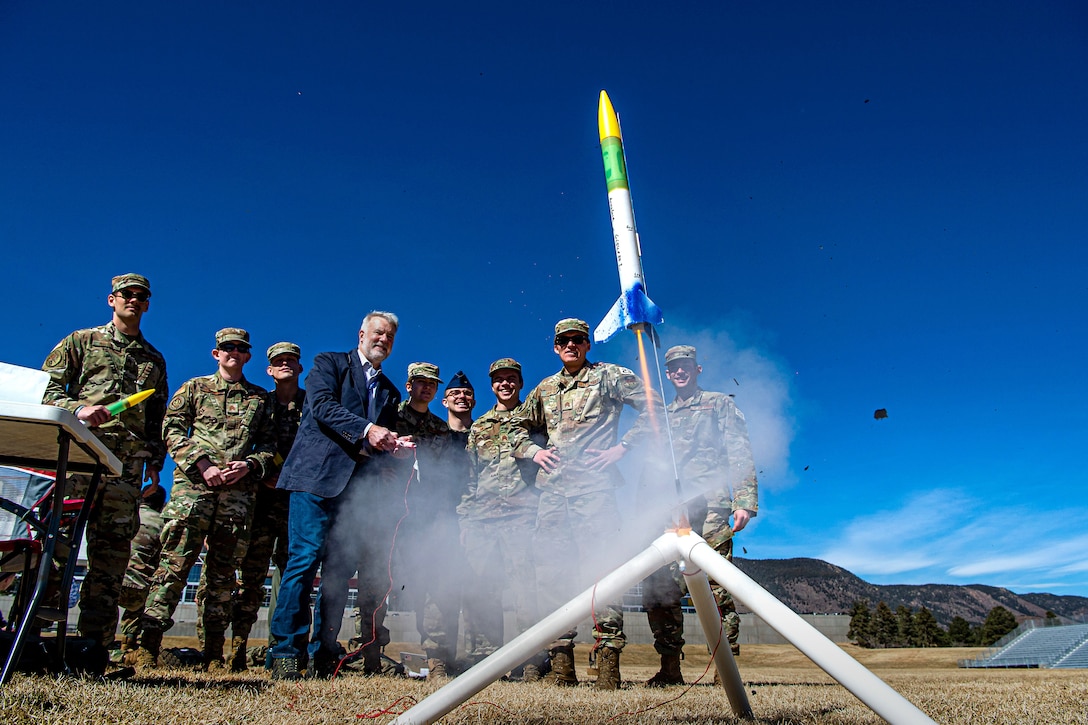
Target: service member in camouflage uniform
x=268, y=534
x=580, y=408
x=498, y=514
x=219, y=431
x=714, y=460
x=142, y=563
x=88, y=370
x=428, y=547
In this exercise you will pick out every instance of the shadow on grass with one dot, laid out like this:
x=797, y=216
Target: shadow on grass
x=180, y=680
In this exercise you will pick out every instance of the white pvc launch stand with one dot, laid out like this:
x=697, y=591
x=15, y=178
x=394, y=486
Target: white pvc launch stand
x=695, y=553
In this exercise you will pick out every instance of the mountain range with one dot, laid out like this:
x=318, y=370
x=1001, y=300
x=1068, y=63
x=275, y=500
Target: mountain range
x=813, y=586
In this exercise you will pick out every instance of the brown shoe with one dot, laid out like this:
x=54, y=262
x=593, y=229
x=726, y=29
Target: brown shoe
x=147, y=656
x=563, y=673
x=669, y=674
x=213, y=652
x=238, y=655
x=608, y=668
x=530, y=673
x=436, y=669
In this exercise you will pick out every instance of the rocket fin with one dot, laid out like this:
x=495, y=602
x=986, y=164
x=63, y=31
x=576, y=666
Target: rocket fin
x=611, y=324
x=633, y=306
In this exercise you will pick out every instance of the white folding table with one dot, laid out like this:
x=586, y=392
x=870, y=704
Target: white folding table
x=51, y=438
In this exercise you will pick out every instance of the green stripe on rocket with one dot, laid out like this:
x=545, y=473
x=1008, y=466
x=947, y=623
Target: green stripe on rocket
x=615, y=169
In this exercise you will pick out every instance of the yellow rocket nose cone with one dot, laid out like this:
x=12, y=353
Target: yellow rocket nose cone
x=140, y=396
x=607, y=122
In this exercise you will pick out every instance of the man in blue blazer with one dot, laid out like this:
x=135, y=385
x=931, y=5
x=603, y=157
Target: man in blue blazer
x=335, y=469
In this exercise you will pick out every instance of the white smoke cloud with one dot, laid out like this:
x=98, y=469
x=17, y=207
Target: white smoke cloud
x=760, y=383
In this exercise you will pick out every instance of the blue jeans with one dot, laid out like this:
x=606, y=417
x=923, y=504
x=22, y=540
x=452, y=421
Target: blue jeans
x=337, y=535
x=308, y=525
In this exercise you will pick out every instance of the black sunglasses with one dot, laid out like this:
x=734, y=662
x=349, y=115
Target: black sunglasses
x=231, y=347
x=138, y=296
x=576, y=339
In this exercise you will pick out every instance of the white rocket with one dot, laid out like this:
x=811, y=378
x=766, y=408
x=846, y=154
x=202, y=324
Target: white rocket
x=634, y=307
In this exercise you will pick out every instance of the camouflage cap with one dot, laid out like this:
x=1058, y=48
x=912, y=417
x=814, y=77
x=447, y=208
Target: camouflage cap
x=284, y=348
x=423, y=370
x=460, y=380
x=231, y=334
x=505, y=363
x=122, y=281
x=679, y=352
x=572, y=324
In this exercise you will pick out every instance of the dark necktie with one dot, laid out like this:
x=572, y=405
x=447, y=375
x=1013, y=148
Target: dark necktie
x=372, y=394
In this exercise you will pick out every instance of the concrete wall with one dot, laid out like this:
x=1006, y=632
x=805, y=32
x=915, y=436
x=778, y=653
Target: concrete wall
x=402, y=627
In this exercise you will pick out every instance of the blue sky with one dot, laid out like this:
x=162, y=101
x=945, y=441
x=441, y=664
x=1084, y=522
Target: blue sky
x=847, y=207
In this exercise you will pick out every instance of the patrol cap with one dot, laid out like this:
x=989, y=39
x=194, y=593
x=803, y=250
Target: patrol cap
x=424, y=370
x=231, y=334
x=680, y=352
x=460, y=380
x=504, y=363
x=123, y=281
x=284, y=348
x=572, y=324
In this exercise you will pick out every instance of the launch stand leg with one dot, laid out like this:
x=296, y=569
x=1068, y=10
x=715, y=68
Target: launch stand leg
x=711, y=622
x=847, y=671
x=536, y=638
x=669, y=547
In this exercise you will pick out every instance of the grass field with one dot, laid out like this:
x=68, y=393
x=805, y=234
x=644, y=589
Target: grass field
x=783, y=687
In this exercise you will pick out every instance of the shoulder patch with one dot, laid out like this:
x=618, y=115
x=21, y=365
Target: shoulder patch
x=177, y=403
x=55, y=359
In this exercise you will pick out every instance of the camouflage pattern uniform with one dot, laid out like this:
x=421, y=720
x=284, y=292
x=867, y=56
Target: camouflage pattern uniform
x=99, y=366
x=268, y=533
x=222, y=421
x=498, y=514
x=142, y=563
x=578, y=512
x=268, y=536
x=427, y=545
x=714, y=458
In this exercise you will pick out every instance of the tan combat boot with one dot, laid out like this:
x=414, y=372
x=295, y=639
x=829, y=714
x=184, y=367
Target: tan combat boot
x=130, y=645
x=213, y=651
x=436, y=669
x=238, y=656
x=669, y=674
x=563, y=667
x=147, y=656
x=608, y=668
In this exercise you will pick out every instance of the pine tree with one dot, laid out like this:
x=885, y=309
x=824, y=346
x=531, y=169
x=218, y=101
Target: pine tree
x=999, y=622
x=904, y=621
x=927, y=633
x=960, y=633
x=861, y=624
x=885, y=626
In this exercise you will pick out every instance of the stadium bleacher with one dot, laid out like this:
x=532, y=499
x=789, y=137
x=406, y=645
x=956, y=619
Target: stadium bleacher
x=1030, y=645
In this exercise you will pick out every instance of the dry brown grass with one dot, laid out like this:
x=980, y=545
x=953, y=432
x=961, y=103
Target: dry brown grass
x=783, y=686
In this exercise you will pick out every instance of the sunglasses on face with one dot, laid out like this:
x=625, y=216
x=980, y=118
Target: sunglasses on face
x=139, y=296
x=576, y=339
x=231, y=347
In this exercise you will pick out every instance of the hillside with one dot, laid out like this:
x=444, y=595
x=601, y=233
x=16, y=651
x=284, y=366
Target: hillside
x=815, y=586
